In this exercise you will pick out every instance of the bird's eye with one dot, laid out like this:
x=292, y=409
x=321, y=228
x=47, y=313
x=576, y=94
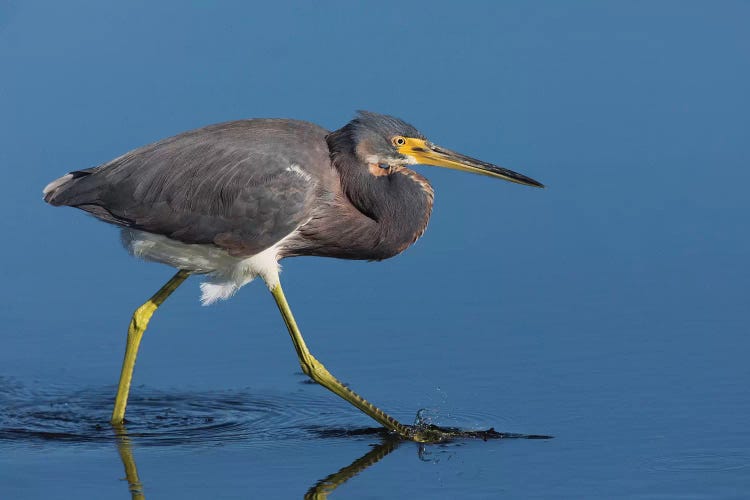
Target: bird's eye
x=398, y=141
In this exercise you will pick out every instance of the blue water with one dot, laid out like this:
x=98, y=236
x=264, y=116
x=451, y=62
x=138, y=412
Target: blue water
x=608, y=311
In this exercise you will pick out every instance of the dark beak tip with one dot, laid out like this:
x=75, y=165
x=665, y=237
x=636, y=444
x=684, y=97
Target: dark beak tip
x=528, y=181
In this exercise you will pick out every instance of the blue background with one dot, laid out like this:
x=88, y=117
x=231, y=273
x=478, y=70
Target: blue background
x=608, y=310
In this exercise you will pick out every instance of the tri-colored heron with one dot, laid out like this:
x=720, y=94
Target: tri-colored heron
x=230, y=200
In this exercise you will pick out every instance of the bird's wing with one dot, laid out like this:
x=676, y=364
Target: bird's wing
x=242, y=186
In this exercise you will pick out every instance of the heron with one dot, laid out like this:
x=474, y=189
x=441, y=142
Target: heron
x=229, y=201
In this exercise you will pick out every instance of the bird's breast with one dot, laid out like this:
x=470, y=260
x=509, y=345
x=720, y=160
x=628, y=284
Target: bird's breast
x=391, y=219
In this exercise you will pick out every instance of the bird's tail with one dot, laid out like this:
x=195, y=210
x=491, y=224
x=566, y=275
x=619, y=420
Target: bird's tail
x=68, y=190
x=59, y=192
x=51, y=189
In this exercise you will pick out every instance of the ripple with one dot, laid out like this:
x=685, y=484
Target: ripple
x=159, y=418
x=699, y=461
x=173, y=418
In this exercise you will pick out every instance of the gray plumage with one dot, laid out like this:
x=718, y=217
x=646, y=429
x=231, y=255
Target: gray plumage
x=245, y=185
x=231, y=200
x=228, y=184
x=248, y=185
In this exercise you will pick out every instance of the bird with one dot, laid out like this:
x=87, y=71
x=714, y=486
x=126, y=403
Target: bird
x=228, y=201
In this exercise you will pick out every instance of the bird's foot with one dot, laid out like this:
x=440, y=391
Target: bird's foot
x=430, y=433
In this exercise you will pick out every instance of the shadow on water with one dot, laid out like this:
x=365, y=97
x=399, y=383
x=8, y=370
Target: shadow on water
x=157, y=418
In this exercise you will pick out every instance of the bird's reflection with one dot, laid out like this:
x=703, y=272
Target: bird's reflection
x=125, y=449
x=321, y=489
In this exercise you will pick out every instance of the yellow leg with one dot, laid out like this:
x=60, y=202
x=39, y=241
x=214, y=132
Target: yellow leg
x=138, y=325
x=316, y=371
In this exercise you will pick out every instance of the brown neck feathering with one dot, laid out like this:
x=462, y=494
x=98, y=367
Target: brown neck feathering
x=375, y=217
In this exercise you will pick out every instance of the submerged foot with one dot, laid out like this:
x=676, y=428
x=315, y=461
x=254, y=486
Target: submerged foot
x=430, y=433
x=424, y=431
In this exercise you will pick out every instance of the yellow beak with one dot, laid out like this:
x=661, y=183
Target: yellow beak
x=427, y=153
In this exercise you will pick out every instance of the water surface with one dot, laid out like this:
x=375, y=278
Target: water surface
x=608, y=310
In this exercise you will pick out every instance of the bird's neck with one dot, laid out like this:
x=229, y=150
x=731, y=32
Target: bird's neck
x=395, y=208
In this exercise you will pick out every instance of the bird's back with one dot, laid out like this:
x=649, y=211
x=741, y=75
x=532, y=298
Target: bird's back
x=241, y=185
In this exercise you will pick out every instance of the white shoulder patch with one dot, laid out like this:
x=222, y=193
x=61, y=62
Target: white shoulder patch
x=298, y=170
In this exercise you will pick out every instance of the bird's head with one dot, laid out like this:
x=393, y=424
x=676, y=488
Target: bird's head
x=384, y=143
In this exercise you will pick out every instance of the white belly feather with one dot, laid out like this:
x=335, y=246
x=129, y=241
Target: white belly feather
x=225, y=274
